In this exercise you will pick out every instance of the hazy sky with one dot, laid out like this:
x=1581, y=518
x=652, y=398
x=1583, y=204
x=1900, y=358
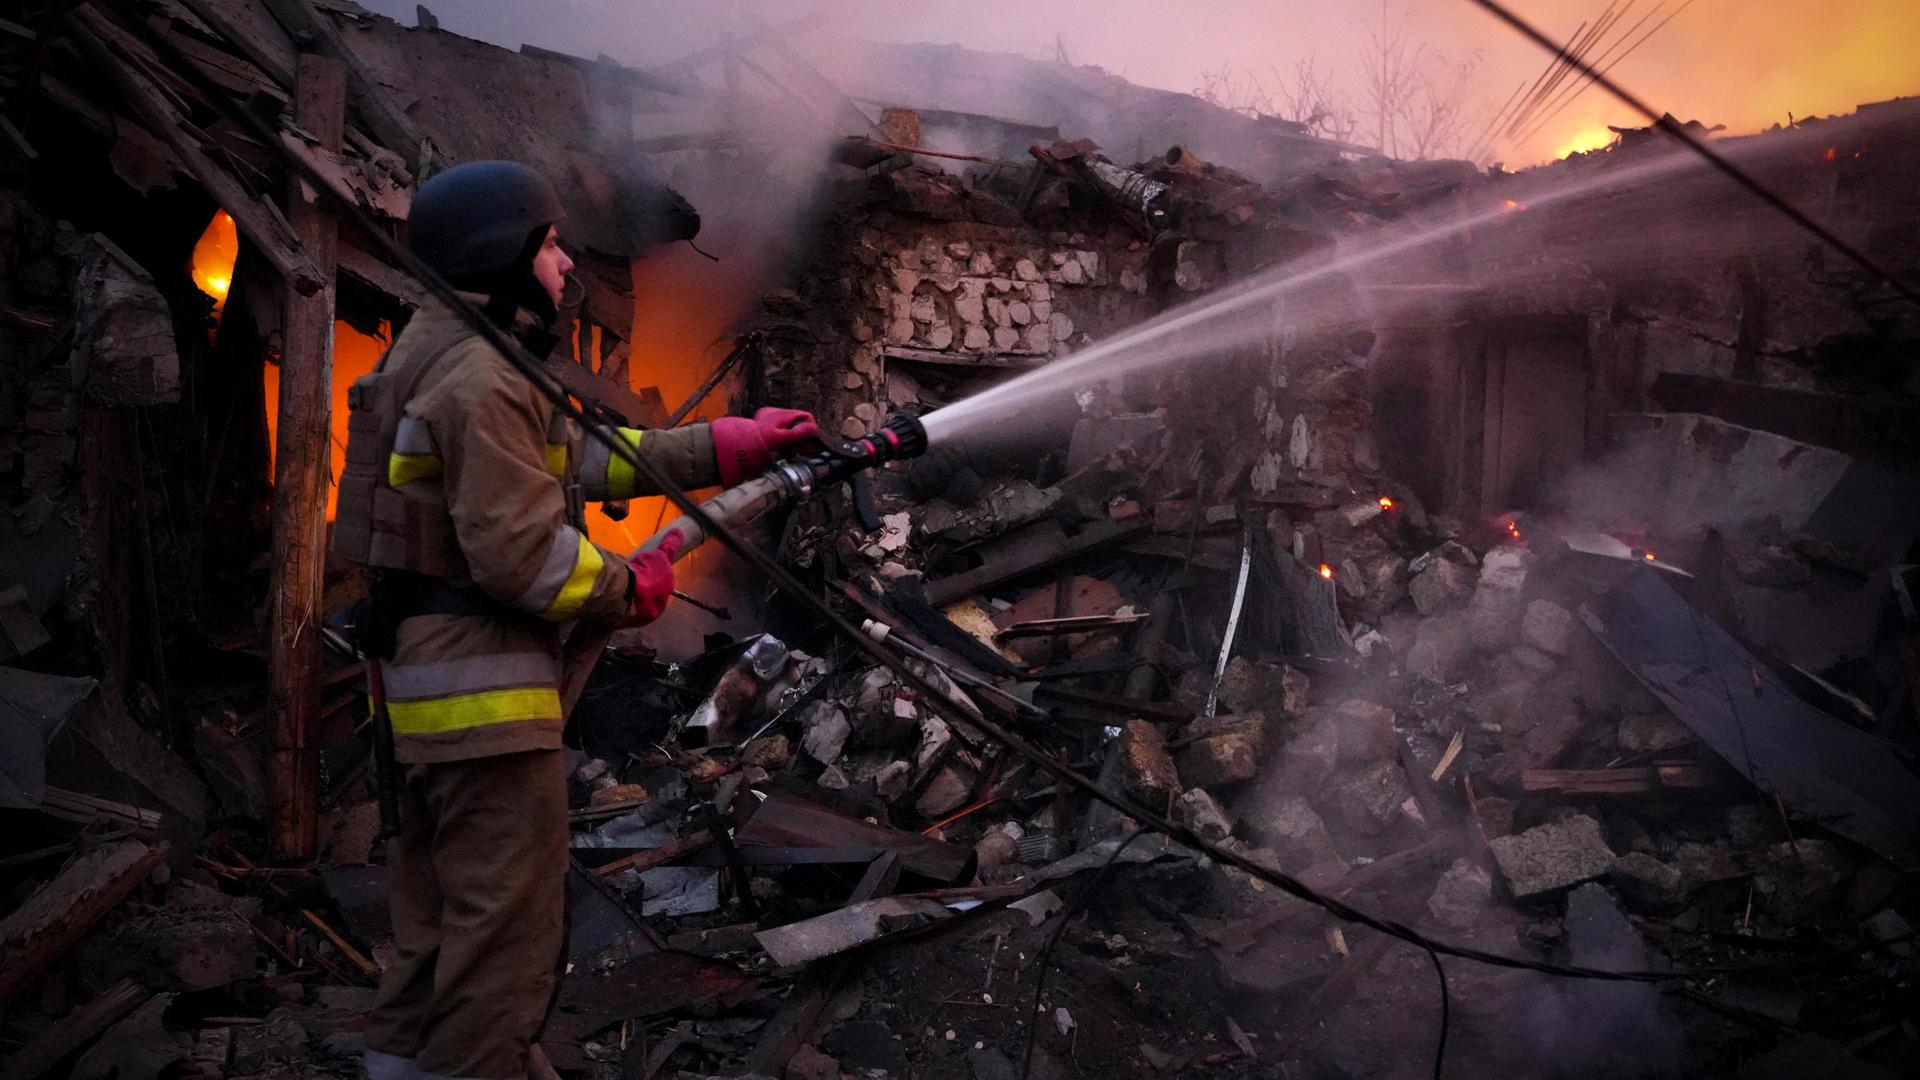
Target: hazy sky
x=1744, y=63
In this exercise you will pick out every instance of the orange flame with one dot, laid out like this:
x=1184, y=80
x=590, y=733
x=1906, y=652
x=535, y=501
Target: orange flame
x=1832, y=153
x=211, y=264
x=1386, y=503
x=1512, y=205
x=1648, y=556
x=1326, y=571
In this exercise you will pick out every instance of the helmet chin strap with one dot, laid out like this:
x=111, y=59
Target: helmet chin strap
x=513, y=289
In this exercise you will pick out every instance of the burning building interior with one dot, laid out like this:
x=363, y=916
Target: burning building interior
x=1263, y=606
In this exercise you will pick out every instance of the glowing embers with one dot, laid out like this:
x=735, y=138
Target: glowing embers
x=1512, y=206
x=1386, y=502
x=212, y=261
x=1326, y=571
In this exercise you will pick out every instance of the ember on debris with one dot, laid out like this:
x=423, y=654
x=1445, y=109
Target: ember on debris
x=1576, y=619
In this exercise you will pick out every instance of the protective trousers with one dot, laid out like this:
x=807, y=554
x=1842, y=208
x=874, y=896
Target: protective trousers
x=478, y=895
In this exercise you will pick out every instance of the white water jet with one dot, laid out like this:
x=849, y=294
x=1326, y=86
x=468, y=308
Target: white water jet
x=1249, y=311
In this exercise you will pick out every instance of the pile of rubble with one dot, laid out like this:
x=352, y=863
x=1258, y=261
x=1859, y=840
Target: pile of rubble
x=1199, y=588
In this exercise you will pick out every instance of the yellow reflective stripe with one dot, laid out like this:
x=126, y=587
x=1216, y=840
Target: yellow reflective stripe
x=620, y=482
x=579, y=586
x=406, y=468
x=556, y=459
x=463, y=711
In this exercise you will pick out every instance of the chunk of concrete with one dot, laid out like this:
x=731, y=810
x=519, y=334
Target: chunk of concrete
x=1551, y=857
x=1463, y=895
x=1371, y=801
x=1217, y=760
x=1202, y=813
x=1441, y=585
x=1441, y=649
x=1797, y=880
x=1147, y=772
x=1547, y=626
x=1648, y=884
x=945, y=793
x=1522, y=665
x=1296, y=833
x=1365, y=731
x=770, y=752
x=826, y=729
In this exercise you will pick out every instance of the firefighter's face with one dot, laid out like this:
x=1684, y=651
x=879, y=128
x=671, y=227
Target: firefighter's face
x=551, y=266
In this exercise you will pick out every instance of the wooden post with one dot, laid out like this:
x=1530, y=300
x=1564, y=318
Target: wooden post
x=301, y=473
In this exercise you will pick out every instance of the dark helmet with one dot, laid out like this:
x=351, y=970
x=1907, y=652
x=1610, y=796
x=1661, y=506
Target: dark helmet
x=476, y=218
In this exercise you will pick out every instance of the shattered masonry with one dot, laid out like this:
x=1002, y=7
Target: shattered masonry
x=1579, y=618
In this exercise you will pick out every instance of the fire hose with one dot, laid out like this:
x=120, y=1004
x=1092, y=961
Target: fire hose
x=901, y=436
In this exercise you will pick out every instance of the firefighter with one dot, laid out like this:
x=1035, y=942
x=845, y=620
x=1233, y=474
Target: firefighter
x=462, y=491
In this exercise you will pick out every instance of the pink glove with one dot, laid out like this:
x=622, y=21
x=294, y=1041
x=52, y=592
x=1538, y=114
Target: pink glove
x=745, y=448
x=652, y=580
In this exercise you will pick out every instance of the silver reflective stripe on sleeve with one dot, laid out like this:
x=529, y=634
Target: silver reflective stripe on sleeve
x=413, y=436
x=566, y=577
x=593, y=471
x=442, y=678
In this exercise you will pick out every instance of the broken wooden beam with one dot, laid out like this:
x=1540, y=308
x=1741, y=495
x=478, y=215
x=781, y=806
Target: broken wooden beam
x=1071, y=624
x=258, y=53
x=74, y=1031
x=965, y=359
x=301, y=471
x=1115, y=704
x=257, y=219
x=346, y=948
x=786, y=821
x=1045, y=552
x=383, y=278
x=1632, y=780
x=389, y=125
x=646, y=410
x=642, y=861
x=60, y=912
x=88, y=809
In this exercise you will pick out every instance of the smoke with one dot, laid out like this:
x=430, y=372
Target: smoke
x=1745, y=65
x=1587, y=1028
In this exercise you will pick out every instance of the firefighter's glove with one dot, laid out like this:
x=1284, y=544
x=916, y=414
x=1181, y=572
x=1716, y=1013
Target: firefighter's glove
x=745, y=448
x=652, y=580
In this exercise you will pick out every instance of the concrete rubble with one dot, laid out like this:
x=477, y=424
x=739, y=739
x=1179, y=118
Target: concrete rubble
x=825, y=869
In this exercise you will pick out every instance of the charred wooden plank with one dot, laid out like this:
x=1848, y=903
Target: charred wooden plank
x=74, y=1031
x=390, y=126
x=87, y=809
x=590, y=386
x=783, y=820
x=1639, y=780
x=56, y=916
x=1043, y=552
x=965, y=359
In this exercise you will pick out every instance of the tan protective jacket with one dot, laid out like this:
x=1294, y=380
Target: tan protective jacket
x=475, y=491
